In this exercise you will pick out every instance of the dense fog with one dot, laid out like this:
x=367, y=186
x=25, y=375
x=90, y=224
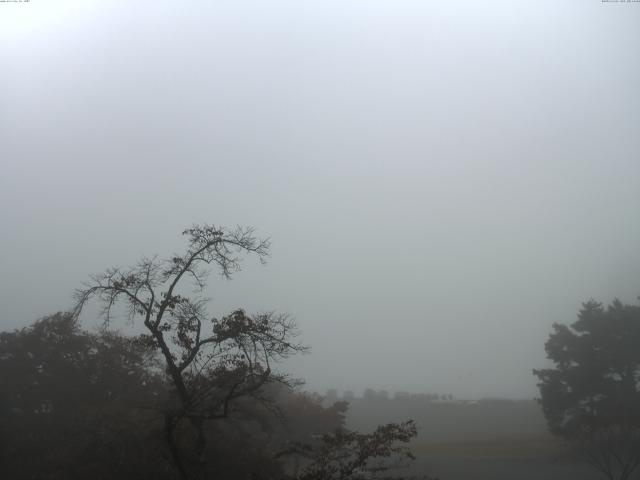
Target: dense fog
x=320, y=240
x=440, y=181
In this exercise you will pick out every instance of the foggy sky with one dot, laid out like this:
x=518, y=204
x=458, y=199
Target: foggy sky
x=441, y=181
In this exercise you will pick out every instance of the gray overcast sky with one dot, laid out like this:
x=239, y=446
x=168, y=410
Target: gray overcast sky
x=441, y=180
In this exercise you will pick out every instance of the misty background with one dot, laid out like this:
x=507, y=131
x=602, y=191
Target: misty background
x=441, y=181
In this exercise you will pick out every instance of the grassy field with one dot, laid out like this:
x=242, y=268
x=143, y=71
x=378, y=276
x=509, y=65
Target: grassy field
x=523, y=458
x=492, y=440
x=541, y=446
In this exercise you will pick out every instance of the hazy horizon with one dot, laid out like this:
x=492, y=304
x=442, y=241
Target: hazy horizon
x=441, y=181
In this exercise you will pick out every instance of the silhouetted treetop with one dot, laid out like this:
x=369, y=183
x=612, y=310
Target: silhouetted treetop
x=211, y=362
x=592, y=395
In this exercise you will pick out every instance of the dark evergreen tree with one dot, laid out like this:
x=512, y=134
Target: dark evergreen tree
x=592, y=395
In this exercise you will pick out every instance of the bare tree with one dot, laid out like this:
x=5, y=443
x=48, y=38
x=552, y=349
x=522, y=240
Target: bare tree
x=209, y=362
